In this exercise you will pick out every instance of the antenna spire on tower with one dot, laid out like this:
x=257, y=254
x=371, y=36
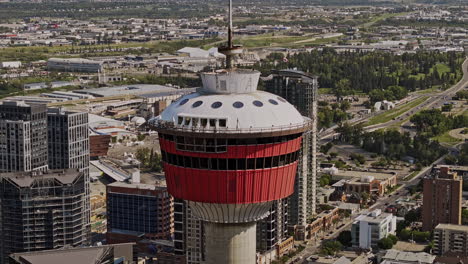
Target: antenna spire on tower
x=230, y=50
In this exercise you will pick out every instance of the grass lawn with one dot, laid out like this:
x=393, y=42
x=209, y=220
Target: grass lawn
x=376, y=19
x=411, y=175
x=389, y=115
x=324, y=90
x=441, y=68
x=435, y=88
x=419, y=76
x=447, y=139
x=281, y=40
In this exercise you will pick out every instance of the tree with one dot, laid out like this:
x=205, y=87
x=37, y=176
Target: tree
x=325, y=180
x=149, y=159
x=464, y=216
x=421, y=236
x=343, y=88
x=385, y=243
x=325, y=148
x=393, y=238
x=331, y=247
x=365, y=197
x=405, y=234
x=345, y=238
x=360, y=159
x=447, y=108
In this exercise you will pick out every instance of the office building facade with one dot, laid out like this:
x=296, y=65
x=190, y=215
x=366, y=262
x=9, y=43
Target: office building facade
x=442, y=198
x=41, y=210
x=138, y=209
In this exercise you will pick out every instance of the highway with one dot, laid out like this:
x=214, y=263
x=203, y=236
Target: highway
x=435, y=100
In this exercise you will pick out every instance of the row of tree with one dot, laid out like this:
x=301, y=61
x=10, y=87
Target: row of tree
x=392, y=76
x=433, y=122
x=149, y=159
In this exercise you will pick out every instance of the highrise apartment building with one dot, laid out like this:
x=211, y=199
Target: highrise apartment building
x=23, y=137
x=68, y=144
x=442, y=198
x=451, y=239
x=41, y=210
x=137, y=211
x=188, y=233
x=300, y=89
x=273, y=229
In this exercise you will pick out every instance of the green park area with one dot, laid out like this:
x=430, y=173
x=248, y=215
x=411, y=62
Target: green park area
x=446, y=138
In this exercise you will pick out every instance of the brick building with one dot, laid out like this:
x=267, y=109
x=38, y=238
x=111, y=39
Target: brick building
x=442, y=197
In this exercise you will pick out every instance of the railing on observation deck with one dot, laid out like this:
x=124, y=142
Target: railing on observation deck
x=169, y=125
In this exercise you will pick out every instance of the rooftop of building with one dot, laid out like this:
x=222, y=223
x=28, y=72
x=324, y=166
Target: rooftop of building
x=295, y=73
x=452, y=167
x=360, y=174
x=134, y=89
x=27, y=179
x=69, y=255
x=462, y=228
x=96, y=121
x=74, y=60
x=62, y=111
x=375, y=216
x=15, y=103
x=140, y=186
x=402, y=256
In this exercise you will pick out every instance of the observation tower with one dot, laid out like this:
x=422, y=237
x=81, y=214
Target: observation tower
x=230, y=150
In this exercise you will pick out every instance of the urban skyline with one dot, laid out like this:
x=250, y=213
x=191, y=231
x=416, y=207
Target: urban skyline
x=233, y=132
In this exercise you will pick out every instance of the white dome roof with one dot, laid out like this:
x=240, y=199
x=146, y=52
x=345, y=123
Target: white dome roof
x=239, y=110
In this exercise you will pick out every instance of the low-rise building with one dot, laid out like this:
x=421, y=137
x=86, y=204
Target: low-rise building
x=368, y=229
x=393, y=256
x=35, y=86
x=118, y=253
x=370, y=182
x=10, y=64
x=74, y=65
x=138, y=209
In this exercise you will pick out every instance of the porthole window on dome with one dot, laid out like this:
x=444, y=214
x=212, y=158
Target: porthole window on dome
x=238, y=104
x=257, y=103
x=216, y=105
x=274, y=102
x=281, y=99
x=183, y=102
x=197, y=103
